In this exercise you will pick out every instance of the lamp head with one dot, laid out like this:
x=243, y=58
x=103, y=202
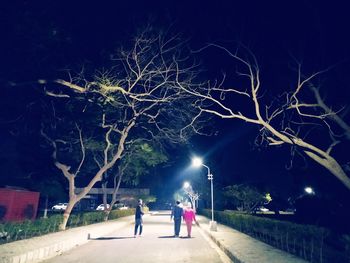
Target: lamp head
x=187, y=184
x=197, y=162
x=309, y=190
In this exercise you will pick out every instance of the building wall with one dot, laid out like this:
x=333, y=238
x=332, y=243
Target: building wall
x=18, y=205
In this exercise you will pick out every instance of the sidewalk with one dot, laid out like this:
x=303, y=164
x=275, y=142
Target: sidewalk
x=242, y=248
x=40, y=248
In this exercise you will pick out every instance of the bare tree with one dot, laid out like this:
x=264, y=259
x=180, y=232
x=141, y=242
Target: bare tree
x=193, y=196
x=141, y=95
x=297, y=118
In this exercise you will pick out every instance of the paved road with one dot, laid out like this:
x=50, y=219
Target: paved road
x=156, y=245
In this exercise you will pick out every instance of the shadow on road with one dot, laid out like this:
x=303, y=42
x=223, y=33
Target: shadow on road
x=110, y=238
x=184, y=237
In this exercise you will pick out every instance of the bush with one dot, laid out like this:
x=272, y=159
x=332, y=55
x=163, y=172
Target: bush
x=306, y=241
x=13, y=231
x=120, y=213
x=83, y=219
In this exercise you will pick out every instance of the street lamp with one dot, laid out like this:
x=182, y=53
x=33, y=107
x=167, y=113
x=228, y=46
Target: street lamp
x=198, y=162
x=309, y=190
x=186, y=185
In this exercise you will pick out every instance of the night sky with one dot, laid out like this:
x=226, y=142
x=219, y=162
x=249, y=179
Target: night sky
x=39, y=39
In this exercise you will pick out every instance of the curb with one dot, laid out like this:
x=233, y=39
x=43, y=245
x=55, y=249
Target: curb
x=242, y=248
x=233, y=257
x=41, y=248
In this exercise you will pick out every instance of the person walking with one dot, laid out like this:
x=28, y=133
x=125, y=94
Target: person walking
x=189, y=216
x=138, y=218
x=177, y=213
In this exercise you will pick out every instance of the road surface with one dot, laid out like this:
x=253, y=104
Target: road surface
x=157, y=244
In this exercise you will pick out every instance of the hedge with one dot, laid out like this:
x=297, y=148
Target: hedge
x=13, y=231
x=315, y=244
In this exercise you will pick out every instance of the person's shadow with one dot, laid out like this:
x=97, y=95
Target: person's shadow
x=110, y=238
x=184, y=237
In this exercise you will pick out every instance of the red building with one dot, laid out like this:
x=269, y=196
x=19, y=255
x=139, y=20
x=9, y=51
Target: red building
x=18, y=205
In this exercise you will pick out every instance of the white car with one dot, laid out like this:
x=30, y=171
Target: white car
x=120, y=206
x=60, y=206
x=101, y=207
x=263, y=209
x=124, y=207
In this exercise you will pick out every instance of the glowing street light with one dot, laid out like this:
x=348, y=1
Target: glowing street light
x=187, y=185
x=198, y=162
x=309, y=190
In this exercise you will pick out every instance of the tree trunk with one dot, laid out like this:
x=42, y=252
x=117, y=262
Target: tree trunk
x=331, y=165
x=67, y=213
x=107, y=212
x=104, y=200
x=321, y=157
x=114, y=194
x=104, y=194
x=46, y=204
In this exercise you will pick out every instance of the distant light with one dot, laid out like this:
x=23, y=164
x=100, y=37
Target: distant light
x=309, y=190
x=197, y=162
x=187, y=185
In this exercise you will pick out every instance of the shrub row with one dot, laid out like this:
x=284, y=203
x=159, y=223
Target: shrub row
x=13, y=231
x=306, y=241
x=83, y=219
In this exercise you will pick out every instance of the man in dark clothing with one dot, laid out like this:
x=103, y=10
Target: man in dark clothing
x=138, y=218
x=177, y=213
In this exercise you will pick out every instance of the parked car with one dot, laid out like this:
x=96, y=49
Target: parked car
x=290, y=210
x=262, y=209
x=120, y=206
x=101, y=207
x=59, y=206
x=123, y=207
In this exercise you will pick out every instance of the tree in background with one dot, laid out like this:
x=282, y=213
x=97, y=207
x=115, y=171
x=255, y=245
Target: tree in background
x=140, y=96
x=51, y=190
x=147, y=199
x=245, y=198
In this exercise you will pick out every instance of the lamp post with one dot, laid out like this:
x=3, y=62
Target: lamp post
x=197, y=162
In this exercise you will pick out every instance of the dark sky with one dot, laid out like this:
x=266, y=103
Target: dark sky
x=40, y=38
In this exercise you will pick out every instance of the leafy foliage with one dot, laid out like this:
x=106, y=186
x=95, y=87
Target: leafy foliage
x=13, y=231
x=148, y=199
x=138, y=160
x=244, y=197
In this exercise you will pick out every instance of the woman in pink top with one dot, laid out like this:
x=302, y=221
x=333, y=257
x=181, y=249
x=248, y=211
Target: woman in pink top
x=189, y=216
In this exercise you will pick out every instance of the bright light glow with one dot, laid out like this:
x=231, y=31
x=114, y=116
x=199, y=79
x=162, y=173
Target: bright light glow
x=187, y=185
x=309, y=190
x=197, y=162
